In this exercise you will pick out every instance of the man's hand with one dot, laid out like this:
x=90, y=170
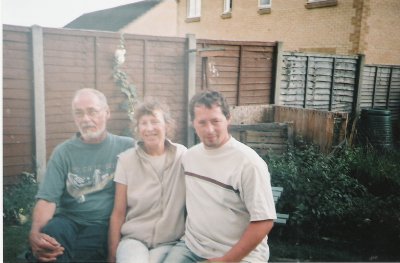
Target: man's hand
x=44, y=247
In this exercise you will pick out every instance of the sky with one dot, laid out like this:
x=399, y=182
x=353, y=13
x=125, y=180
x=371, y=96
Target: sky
x=51, y=13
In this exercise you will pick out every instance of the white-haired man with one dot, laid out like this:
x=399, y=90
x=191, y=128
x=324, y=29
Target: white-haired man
x=75, y=199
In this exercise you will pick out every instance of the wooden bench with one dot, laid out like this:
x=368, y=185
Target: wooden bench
x=276, y=192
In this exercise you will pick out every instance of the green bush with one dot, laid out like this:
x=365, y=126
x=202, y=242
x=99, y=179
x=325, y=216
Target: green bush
x=19, y=199
x=350, y=196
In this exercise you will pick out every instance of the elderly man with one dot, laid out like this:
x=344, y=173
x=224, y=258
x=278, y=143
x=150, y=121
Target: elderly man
x=75, y=199
x=229, y=202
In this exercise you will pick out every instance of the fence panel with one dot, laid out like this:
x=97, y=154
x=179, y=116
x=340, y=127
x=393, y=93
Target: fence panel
x=381, y=89
x=242, y=71
x=322, y=128
x=320, y=82
x=18, y=136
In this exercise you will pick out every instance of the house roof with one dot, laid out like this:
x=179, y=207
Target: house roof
x=112, y=19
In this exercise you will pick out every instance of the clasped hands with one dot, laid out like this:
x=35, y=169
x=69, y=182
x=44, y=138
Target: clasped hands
x=44, y=247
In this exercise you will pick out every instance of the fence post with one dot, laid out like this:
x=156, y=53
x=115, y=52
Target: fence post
x=306, y=83
x=39, y=101
x=356, y=97
x=277, y=70
x=191, y=83
x=358, y=84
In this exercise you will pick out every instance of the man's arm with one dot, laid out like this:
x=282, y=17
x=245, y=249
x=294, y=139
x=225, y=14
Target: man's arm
x=116, y=220
x=252, y=236
x=44, y=247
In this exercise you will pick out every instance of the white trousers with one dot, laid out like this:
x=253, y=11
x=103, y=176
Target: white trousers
x=134, y=251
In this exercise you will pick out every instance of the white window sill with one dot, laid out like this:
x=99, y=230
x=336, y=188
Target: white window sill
x=226, y=15
x=263, y=11
x=326, y=3
x=192, y=19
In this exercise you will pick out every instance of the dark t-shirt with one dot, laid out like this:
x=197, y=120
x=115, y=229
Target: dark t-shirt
x=79, y=178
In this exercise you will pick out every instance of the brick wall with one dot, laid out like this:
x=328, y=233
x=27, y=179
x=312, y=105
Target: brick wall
x=347, y=28
x=382, y=39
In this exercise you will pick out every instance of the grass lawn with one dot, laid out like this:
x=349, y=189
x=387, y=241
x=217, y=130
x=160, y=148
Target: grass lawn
x=15, y=241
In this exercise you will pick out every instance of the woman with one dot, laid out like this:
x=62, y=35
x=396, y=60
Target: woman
x=149, y=208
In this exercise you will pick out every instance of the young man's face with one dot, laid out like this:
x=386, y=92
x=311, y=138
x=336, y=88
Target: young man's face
x=211, y=126
x=91, y=117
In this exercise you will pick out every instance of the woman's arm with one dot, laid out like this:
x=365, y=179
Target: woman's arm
x=116, y=220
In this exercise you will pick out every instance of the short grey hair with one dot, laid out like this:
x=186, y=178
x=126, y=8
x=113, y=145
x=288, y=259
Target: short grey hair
x=102, y=98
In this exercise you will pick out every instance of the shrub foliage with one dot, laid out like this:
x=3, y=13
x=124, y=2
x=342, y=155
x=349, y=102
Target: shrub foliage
x=19, y=199
x=350, y=196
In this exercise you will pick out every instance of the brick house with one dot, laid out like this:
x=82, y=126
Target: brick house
x=346, y=27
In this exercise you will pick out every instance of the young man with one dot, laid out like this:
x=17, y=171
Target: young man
x=228, y=192
x=75, y=199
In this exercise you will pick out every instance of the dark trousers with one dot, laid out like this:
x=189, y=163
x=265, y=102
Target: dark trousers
x=81, y=243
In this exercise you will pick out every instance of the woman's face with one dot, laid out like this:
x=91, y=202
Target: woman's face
x=152, y=130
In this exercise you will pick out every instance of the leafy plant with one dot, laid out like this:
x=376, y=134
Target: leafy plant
x=122, y=80
x=350, y=196
x=19, y=199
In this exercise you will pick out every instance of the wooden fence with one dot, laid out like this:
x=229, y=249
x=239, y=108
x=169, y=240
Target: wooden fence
x=43, y=67
x=243, y=71
x=272, y=128
x=338, y=83
x=381, y=89
x=323, y=128
x=321, y=82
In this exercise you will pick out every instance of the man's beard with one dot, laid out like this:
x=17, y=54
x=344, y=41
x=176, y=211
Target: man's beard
x=92, y=135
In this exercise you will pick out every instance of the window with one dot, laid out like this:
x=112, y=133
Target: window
x=227, y=6
x=264, y=7
x=264, y=4
x=193, y=8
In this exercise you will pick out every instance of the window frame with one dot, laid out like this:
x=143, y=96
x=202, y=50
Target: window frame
x=227, y=6
x=264, y=6
x=193, y=9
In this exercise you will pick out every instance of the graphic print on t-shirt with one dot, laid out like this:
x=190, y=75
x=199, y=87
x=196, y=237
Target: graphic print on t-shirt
x=79, y=185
